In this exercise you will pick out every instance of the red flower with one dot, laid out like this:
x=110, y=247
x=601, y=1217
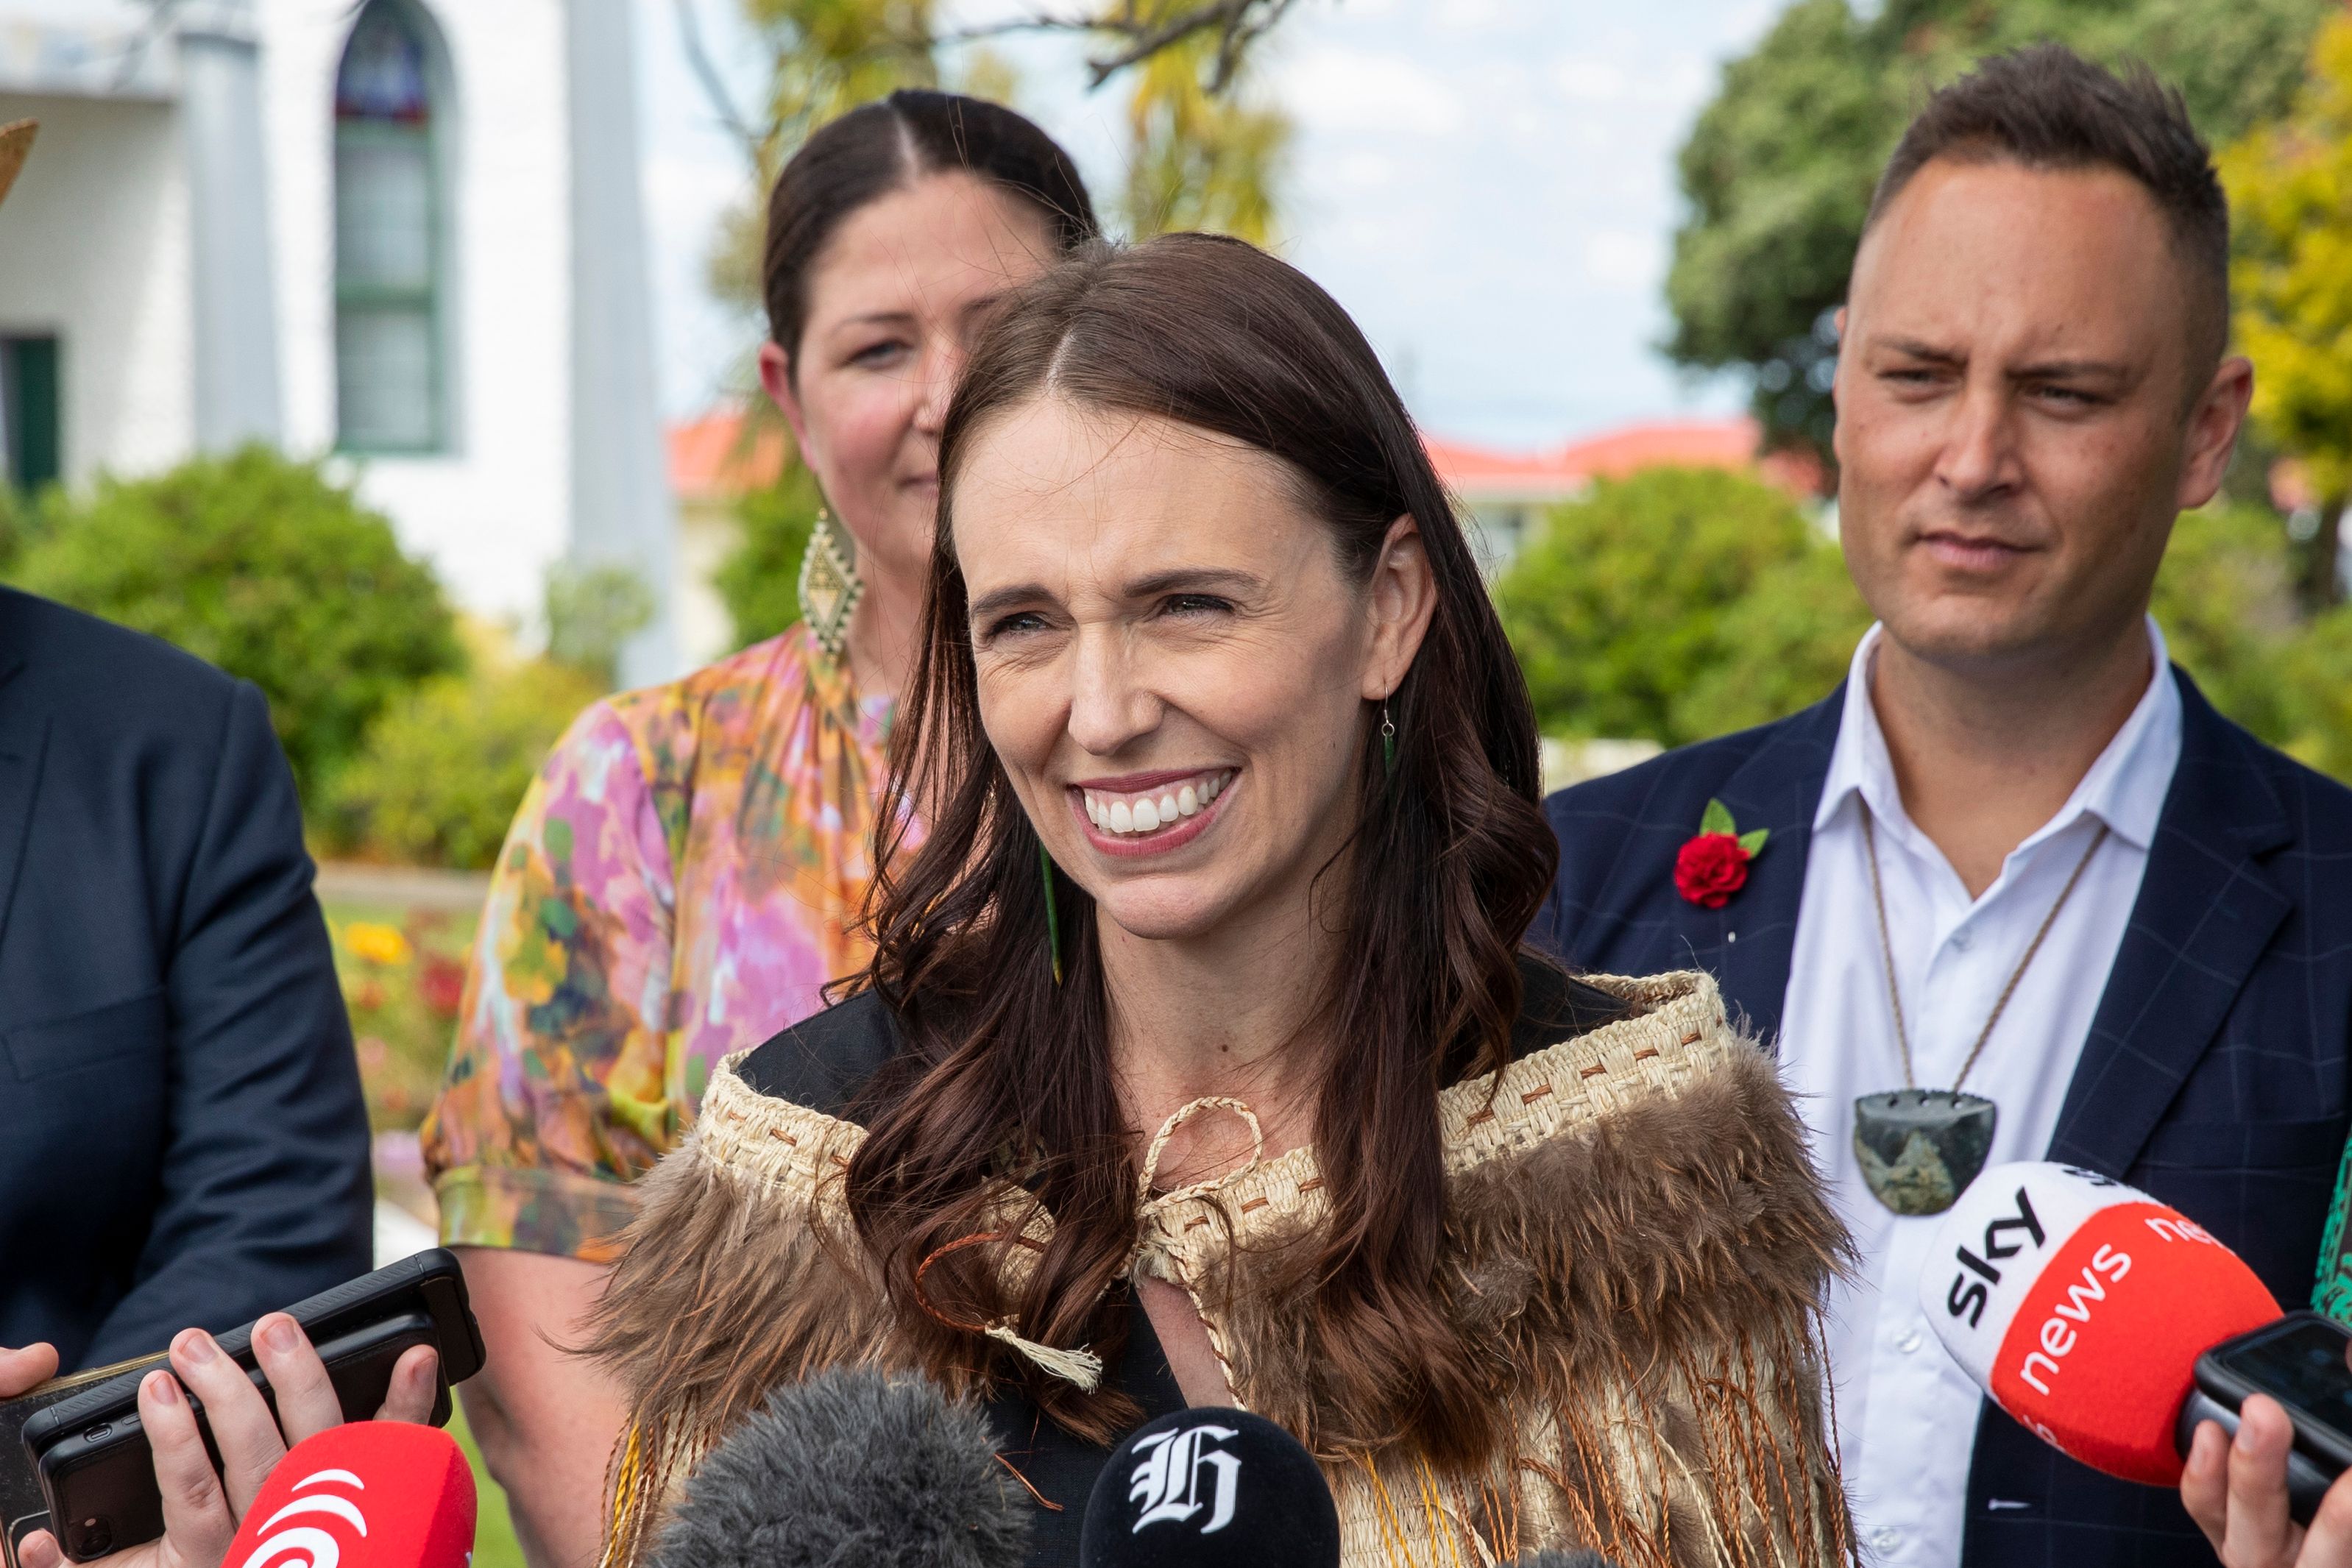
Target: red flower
x=1710, y=869
x=442, y=983
x=1713, y=866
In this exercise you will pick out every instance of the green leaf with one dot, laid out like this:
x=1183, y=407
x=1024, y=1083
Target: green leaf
x=1717, y=819
x=1754, y=842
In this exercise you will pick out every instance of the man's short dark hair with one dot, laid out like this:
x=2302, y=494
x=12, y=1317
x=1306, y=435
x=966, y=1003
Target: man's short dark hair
x=2048, y=107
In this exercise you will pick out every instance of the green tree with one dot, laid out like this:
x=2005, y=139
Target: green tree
x=1629, y=607
x=447, y=764
x=759, y=580
x=590, y=613
x=1201, y=154
x=267, y=569
x=1779, y=168
x=2290, y=186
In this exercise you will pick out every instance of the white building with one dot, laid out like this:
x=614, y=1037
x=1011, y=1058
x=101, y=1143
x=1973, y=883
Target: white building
x=406, y=232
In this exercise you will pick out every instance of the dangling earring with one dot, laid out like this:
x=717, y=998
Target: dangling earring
x=1053, y=915
x=830, y=587
x=1388, y=742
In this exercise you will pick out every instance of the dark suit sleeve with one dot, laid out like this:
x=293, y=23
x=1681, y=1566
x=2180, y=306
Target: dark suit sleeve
x=264, y=1194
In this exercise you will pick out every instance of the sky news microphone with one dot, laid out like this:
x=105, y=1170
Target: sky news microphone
x=851, y=1469
x=1208, y=1486
x=370, y=1494
x=2081, y=1305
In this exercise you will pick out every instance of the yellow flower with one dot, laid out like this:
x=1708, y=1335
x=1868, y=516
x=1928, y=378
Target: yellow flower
x=376, y=944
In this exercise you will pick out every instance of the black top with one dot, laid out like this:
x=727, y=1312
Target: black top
x=822, y=1063
x=181, y=1136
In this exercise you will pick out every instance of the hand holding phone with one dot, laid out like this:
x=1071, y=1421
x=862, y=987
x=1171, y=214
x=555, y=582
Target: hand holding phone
x=201, y=1508
x=2267, y=1435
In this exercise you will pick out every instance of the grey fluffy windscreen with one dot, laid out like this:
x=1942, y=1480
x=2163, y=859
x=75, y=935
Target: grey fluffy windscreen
x=851, y=1469
x=1555, y=1559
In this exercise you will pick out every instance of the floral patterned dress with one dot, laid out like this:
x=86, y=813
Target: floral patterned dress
x=676, y=887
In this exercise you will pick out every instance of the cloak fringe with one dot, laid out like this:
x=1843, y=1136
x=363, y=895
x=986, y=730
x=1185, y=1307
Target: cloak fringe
x=1640, y=1251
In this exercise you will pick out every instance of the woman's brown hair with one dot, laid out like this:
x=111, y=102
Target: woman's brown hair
x=881, y=147
x=1005, y=1088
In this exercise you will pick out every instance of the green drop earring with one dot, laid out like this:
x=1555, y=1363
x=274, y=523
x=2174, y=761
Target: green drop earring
x=1053, y=915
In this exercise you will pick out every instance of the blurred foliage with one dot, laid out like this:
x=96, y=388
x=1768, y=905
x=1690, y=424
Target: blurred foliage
x=446, y=763
x=759, y=580
x=1199, y=156
x=1779, y=168
x=1675, y=604
x=1683, y=604
x=404, y=977
x=267, y=569
x=591, y=611
x=2290, y=186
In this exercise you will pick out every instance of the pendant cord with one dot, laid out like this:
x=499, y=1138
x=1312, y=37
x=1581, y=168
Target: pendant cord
x=1886, y=950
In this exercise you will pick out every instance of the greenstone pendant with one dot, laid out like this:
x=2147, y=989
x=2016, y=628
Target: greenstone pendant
x=1920, y=1148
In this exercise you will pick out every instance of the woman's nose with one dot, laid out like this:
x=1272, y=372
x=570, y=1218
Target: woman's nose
x=942, y=366
x=1111, y=709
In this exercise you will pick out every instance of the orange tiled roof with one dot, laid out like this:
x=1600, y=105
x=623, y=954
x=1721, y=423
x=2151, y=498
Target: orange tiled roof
x=723, y=453
x=1475, y=473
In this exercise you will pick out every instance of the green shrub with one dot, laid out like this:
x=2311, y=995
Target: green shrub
x=591, y=611
x=1628, y=604
x=262, y=567
x=447, y=763
x=759, y=580
x=2226, y=603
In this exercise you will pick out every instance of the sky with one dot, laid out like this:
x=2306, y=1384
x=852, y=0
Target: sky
x=1486, y=185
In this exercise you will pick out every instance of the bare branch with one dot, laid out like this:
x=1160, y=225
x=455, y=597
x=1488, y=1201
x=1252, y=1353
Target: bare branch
x=1138, y=35
x=714, y=86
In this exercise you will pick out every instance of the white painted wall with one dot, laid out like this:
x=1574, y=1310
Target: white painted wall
x=494, y=511
x=94, y=248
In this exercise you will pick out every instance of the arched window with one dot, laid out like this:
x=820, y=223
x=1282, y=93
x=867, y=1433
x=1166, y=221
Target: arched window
x=390, y=237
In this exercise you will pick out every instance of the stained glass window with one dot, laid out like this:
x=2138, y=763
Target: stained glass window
x=390, y=238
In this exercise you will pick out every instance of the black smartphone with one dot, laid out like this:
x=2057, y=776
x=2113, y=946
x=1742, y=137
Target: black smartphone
x=2305, y=1362
x=88, y=1456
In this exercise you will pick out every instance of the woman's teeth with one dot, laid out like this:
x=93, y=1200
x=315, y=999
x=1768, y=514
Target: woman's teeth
x=1151, y=811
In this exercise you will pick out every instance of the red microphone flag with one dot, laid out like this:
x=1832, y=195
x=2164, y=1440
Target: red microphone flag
x=2081, y=1305
x=373, y=1494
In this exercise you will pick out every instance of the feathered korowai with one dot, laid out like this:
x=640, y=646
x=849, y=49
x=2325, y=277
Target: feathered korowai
x=1637, y=1246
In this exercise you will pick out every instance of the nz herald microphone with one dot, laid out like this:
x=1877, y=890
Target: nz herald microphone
x=2081, y=1305
x=851, y=1469
x=372, y=1494
x=1210, y=1486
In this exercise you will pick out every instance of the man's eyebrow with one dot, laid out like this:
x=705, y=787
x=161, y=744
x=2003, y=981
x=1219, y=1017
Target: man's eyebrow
x=1915, y=348
x=2070, y=371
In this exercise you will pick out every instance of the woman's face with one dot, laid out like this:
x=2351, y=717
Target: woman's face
x=893, y=299
x=1173, y=663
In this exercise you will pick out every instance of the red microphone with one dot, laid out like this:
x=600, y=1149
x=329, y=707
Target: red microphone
x=373, y=1494
x=2081, y=1305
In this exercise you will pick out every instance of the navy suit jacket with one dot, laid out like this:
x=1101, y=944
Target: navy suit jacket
x=2214, y=1075
x=182, y=1135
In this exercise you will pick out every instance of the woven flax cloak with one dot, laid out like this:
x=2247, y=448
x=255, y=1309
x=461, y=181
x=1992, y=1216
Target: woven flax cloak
x=1635, y=1238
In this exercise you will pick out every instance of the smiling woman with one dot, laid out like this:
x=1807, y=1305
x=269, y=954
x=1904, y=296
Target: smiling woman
x=1253, y=1097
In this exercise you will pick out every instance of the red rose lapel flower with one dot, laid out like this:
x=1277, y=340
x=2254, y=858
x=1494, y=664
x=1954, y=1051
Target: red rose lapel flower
x=1711, y=867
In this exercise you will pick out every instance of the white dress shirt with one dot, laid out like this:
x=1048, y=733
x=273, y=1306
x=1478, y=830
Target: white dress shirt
x=1906, y=1414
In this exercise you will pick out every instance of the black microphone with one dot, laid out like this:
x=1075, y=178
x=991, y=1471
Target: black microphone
x=1209, y=1485
x=851, y=1469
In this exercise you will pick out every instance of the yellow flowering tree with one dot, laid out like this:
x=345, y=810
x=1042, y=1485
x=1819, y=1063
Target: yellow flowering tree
x=2290, y=186
x=1201, y=154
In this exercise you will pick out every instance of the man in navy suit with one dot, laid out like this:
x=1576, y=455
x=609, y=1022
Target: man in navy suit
x=183, y=1139
x=2016, y=856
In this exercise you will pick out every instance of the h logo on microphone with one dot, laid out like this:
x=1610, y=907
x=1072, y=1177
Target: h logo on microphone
x=1168, y=1478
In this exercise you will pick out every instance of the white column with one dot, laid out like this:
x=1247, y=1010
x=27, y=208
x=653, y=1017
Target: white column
x=621, y=512
x=235, y=304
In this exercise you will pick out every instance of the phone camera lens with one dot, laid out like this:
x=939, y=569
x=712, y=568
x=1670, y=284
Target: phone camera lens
x=97, y=1538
